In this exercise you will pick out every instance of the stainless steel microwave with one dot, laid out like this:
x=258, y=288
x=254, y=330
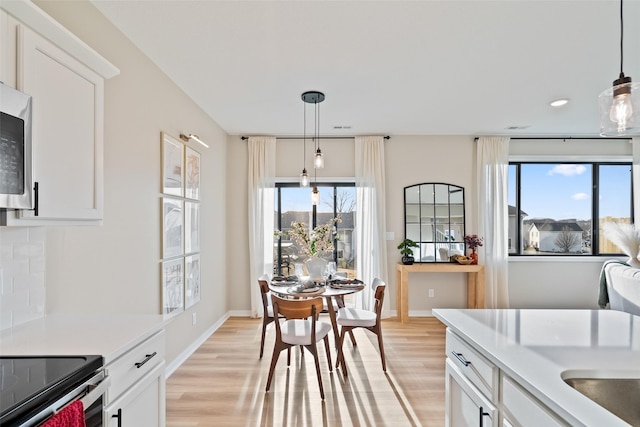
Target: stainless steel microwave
x=16, y=180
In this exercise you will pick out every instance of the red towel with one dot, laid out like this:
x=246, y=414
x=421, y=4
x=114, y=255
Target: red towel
x=71, y=415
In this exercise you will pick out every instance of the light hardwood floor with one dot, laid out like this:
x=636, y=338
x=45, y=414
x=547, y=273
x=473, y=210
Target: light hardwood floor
x=223, y=382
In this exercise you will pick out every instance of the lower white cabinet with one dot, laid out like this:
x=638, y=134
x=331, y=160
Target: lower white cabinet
x=143, y=405
x=136, y=397
x=466, y=406
x=519, y=408
x=479, y=393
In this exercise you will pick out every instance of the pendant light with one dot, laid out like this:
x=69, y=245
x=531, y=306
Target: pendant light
x=304, y=177
x=620, y=104
x=315, y=97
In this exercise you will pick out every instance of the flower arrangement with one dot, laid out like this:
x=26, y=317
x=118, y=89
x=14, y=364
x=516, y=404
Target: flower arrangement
x=626, y=237
x=318, y=241
x=473, y=241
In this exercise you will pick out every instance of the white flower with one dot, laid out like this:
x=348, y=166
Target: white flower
x=319, y=240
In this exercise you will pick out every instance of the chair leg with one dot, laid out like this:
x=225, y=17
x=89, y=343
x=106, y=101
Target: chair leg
x=314, y=349
x=326, y=347
x=340, y=358
x=274, y=359
x=289, y=356
x=353, y=339
x=381, y=345
x=264, y=332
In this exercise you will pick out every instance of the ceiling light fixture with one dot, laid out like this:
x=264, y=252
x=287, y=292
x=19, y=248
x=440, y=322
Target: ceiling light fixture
x=196, y=138
x=315, y=97
x=620, y=104
x=304, y=176
x=559, y=102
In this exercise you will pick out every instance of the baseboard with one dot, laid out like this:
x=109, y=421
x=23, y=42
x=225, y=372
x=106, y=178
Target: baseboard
x=182, y=357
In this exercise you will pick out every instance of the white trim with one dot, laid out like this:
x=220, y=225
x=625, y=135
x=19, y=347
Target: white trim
x=339, y=180
x=34, y=17
x=182, y=357
x=565, y=158
x=564, y=258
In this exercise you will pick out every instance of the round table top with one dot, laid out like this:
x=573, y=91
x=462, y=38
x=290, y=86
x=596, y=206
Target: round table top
x=329, y=291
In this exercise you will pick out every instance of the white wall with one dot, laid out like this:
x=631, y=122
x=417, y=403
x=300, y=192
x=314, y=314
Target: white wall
x=115, y=268
x=533, y=282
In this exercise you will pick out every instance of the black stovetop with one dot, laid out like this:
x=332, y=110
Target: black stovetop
x=31, y=382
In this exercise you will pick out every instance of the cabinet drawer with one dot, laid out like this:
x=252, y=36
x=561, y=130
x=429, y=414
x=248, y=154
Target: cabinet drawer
x=521, y=408
x=480, y=371
x=135, y=364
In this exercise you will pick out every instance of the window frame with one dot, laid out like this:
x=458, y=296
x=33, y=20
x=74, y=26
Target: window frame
x=595, y=190
x=314, y=210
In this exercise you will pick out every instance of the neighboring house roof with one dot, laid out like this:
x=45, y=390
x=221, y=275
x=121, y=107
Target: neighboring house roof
x=512, y=211
x=322, y=218
x=556, y=226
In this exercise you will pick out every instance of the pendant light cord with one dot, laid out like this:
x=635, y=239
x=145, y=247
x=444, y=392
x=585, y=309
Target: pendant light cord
x=621, y=40
x=304, y=137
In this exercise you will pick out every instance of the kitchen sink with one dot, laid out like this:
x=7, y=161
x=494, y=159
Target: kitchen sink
x=620, y=396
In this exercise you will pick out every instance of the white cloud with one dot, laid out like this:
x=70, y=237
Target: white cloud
x=568, y=170
x=580, y=196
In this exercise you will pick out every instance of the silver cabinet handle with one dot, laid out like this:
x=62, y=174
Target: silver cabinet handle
x=461, y=358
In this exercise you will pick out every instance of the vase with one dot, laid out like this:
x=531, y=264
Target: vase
x=474, y=257
x=408, y=260
x=315, y=267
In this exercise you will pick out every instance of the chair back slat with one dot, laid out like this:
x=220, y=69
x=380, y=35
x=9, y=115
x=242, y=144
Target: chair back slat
x=297, y=308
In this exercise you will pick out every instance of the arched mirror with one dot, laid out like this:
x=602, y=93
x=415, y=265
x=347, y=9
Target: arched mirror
x=434, y=219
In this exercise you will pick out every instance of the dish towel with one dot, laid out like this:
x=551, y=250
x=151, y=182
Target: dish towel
x=71, y=415
x=603, y=297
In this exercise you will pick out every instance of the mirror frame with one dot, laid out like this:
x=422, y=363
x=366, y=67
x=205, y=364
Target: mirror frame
x=434, y=218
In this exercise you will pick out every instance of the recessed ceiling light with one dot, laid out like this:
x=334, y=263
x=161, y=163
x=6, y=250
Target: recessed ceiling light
x=559, y=102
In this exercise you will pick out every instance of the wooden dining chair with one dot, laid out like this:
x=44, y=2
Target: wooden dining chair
x=302, y=328
x=350, y=318
x=267, y=316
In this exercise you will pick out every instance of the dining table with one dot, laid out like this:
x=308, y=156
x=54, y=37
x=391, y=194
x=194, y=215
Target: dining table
x=330, y=290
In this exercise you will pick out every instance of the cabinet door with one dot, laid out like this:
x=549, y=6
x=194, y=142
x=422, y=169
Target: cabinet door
x=466, y=406
x=143, y=405
x=522, y=409
x=68, y=108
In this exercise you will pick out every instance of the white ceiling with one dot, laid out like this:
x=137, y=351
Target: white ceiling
x=389, y=67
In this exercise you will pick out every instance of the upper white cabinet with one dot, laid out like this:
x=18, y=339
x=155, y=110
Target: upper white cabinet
x=68, y=116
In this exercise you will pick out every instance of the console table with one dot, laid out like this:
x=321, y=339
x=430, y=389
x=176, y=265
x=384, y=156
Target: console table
x=475, y=283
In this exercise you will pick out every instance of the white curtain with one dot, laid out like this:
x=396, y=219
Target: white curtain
x=371, y=249
x=635, y=173
x=261, y=183
x=493, y=217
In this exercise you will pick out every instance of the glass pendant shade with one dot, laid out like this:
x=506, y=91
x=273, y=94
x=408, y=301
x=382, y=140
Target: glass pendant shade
x=620, y=108
x=315, y=196
x=304, y=178
x=319, y=160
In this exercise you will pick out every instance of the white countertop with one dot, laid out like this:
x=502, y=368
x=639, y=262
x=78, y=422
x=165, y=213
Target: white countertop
x=538, y=348
x=106, y=335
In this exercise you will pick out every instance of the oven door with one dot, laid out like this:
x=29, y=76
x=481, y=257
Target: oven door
x=90, y=393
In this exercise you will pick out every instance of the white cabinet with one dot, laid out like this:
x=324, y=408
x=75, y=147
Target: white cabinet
x=520, y=408
x=466, y=406
x=478, y=393
x=68, y=115
x=136, y=397
x=471, y=386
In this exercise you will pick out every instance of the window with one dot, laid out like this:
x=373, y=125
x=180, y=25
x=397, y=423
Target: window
x=293, y=203
x=559, y=208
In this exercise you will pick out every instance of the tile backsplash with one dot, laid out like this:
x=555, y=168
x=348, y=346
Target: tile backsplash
x=22, y=272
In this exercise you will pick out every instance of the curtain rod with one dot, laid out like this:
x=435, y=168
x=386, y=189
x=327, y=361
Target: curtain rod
x=622, y=138
x=323, y=137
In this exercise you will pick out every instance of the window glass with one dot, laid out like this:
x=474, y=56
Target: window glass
x=293, y=203
x=552, y=206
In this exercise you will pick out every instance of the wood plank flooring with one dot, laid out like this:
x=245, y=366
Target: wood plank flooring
x=223, y=382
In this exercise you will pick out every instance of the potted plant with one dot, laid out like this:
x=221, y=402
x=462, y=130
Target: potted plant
x=406, y=251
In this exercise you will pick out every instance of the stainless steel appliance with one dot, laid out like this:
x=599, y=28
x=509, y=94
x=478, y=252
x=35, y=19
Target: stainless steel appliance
x=16, y=181
x=33, y=389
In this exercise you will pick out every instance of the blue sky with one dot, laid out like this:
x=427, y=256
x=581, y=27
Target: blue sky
x=562, y=191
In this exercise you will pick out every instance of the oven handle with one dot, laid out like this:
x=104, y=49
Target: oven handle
x=98, y=384
x=98, y=389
